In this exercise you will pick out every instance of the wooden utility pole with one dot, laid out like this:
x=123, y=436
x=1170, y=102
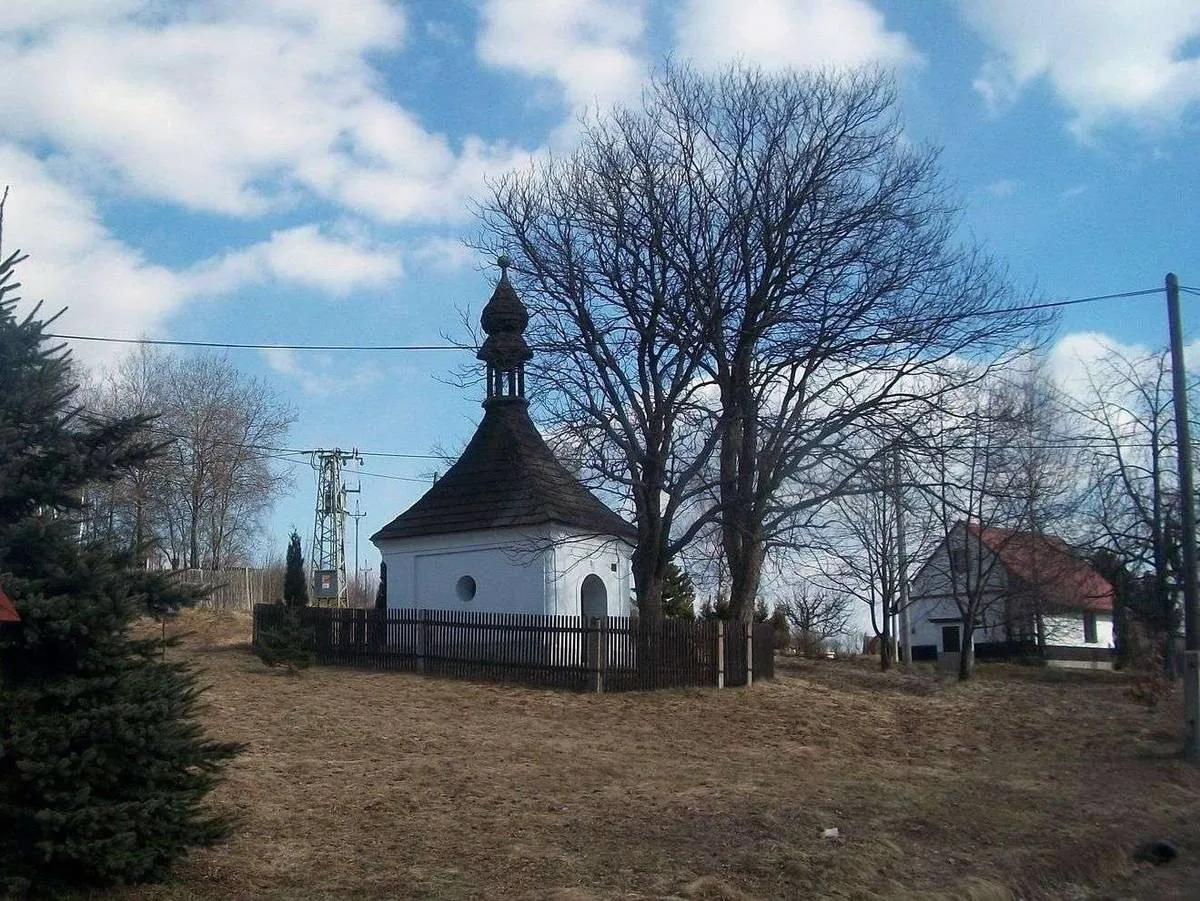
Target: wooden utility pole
x=905, y=629
x=1187, y=508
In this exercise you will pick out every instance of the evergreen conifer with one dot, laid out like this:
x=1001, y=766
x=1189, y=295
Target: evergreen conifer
x=282, y=637
x=104, y=767
x=295, y=586
x=678, y=594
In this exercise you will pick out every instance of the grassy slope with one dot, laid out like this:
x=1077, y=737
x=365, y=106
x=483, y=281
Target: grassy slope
x=378, y=785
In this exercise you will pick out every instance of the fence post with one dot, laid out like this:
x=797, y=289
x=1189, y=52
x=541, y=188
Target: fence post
x=422, y=638
x=603, y=651
x=749, y=653
x=594, y=647
x=720, y=653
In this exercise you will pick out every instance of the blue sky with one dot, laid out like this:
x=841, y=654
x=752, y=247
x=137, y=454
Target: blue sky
x=300, y=171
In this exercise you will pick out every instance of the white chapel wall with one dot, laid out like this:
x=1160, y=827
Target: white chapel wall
x=575, y=557
x=508, y=572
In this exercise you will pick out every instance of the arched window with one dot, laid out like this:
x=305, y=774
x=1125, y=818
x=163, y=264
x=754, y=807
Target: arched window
x=593, y=598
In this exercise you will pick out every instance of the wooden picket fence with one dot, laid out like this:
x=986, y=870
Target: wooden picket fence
x=554, y=651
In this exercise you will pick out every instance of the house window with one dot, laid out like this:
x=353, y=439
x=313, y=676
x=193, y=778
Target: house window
x=950, y=642
x=465, y=588
x=1089, y=628
x=958, y=559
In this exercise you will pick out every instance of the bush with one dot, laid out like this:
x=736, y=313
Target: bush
x=284, y=639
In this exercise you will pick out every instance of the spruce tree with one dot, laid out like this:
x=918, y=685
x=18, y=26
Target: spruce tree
x=282, y=636
x=678, y=594
x=104, y=767
x=295, y=586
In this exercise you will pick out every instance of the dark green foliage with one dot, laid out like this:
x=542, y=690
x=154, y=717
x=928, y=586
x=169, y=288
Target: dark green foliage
x=783, y=632
x=381, y=592
x=284, y=639
x=1144, y=616
x=103, y=765
x=678, y=594
x=295, y=586
x=720, y=610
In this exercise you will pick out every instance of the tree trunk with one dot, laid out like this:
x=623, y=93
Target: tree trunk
x=741, y=529
x=744, y=579
x=885, y=636
x=966, y=655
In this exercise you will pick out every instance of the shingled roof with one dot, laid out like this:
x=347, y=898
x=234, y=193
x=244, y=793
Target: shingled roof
x=1048, y=565
x=507, y=477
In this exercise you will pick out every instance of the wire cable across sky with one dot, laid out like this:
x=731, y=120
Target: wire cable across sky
x=360, y=348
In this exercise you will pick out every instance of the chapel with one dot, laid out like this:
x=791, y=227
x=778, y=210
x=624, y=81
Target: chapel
x=508, y=529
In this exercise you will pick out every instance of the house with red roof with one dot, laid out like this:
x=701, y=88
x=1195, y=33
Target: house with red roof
x=1034, y=595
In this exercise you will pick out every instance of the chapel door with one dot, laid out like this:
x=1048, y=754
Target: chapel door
x=593, y=598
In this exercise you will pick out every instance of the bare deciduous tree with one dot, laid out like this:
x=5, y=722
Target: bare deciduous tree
x=1133, y=498
x=815, y=616
x=201, y=502
x=855, y=551
x=750, y=265
x=974, y=483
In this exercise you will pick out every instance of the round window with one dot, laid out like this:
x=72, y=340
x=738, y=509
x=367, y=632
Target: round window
x=465, y=588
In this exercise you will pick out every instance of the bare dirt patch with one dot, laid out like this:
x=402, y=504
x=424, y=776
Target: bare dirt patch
x=367, y=785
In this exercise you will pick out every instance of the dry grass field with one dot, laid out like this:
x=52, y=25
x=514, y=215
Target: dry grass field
x=360, y=785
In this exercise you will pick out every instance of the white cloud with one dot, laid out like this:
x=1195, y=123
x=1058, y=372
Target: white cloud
x=443, y=254
x=590, y=47
x=318, y=375
x=802, y=34
x=1077, y=354
x=302, y=256
x=108, y=286
x=1118, y=60
x=1003, y=187
x=232, y=107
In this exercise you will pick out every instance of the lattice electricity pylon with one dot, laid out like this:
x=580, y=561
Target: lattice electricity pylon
x=328, y=557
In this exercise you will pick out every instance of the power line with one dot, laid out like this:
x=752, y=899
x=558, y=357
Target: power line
x=381, y=475
x=1069, y=303
x=270, y=450
x=234, y=345
x=165, y=342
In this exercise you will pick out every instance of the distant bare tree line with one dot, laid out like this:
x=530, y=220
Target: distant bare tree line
x=201, y=502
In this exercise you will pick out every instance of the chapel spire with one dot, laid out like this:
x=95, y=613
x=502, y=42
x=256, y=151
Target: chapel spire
x=505, y=350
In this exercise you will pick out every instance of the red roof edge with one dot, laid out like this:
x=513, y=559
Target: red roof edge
x=8, y=612
x=1064, y=578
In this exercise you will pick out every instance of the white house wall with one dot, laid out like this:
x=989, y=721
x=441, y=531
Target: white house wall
x=932, y=593
x=1067, y=629
x=932, y=599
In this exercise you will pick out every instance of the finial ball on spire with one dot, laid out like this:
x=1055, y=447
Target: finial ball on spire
x=503, y=261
